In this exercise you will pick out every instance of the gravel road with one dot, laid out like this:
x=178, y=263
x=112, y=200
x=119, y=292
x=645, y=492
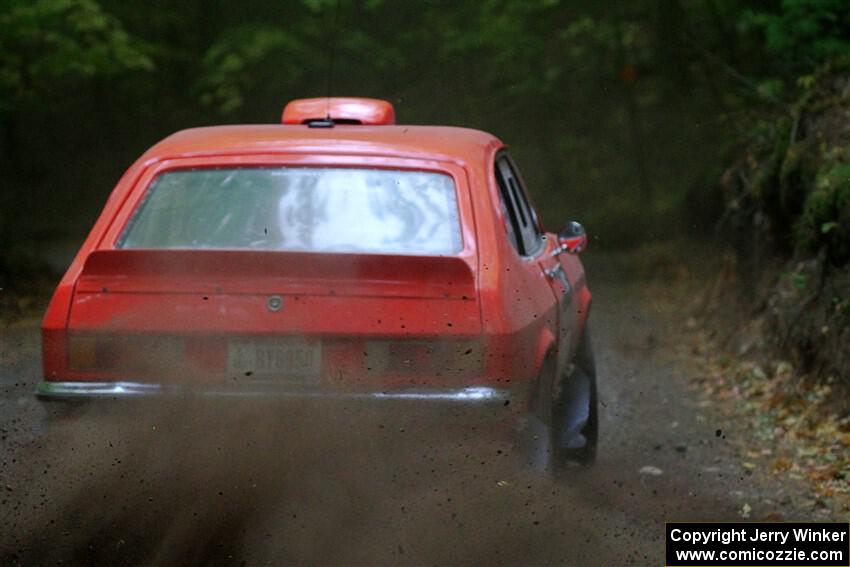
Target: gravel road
x=244, y=486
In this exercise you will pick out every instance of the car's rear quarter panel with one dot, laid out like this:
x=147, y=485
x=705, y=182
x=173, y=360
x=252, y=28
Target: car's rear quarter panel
x=519, y=316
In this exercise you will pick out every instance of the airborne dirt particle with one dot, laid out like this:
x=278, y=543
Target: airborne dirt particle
x=194, y=483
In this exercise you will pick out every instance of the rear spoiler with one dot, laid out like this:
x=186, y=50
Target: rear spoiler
x=126, y=269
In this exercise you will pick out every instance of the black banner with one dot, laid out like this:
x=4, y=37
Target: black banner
x=745, y=544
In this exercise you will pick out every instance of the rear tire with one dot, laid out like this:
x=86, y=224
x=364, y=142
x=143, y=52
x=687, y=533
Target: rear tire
x=575, y=415
x=561, y=433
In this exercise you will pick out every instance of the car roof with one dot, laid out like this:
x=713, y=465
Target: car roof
x=432, y=142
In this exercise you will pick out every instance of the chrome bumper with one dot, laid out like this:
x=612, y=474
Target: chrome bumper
x=479, y=395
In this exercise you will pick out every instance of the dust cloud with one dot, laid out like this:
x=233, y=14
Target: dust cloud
x=195, y=482
x=256, y=482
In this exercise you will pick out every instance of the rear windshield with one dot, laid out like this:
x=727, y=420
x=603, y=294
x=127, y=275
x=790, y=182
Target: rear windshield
x=299, y=209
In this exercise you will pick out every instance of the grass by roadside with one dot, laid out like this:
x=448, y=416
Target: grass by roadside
x=792, y=425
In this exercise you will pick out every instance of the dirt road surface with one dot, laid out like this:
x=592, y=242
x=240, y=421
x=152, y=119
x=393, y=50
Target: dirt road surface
x=348, y=485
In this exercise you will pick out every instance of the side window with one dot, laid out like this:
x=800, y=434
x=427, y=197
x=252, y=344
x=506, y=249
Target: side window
x=522, y=219
x=523, y=191
x=509, y=209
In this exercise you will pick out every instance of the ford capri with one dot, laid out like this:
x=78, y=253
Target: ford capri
x=335, y=255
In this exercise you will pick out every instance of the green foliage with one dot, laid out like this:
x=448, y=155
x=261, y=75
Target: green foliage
x=805, y=31
x=766, y=184
x=827, y=227
x=794, y=179
x=770, y=89
x=799, y=280
x=825, y=221
x=615, y=111
x=236, y=62
x=43, y=42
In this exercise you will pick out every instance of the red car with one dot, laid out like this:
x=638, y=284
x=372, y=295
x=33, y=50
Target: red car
x=333, y=255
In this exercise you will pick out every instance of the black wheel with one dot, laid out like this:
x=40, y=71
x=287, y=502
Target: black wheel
x=561, y=432
x=575, y=412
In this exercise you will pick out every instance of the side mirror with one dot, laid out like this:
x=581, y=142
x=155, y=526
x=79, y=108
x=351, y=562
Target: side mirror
x=573, y=238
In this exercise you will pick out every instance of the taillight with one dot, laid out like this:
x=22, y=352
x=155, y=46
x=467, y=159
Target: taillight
x=54, y=352
x=82, y=353
x=138, y=354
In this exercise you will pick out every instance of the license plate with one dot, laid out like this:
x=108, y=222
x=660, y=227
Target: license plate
x=285, y=357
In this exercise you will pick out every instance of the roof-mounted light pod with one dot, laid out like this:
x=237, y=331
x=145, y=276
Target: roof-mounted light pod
x=325, y=112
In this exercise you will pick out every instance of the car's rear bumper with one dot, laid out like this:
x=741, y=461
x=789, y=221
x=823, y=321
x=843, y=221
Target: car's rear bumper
x=80, y=391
